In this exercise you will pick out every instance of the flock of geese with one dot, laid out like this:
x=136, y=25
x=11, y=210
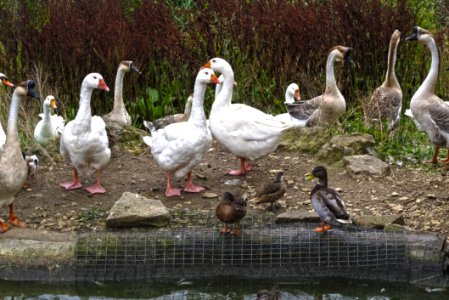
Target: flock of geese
x=178, y=143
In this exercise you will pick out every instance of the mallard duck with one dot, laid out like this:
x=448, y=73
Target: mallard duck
x=176, y=118
x=429, y=111
x=119, y=115
x=231, y=210
x=4, y=81
x=327, y=108
x=84, y=142
x=272, y=191
x=179, y=147
x=386, y=100
x=13, y=171
x=242, y=130
x=274, y=294
x=326, y=201
x=51, y=126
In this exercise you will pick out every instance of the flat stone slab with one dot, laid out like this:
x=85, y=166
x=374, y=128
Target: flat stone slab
x=297, y=216
x=379, y=222
x=136, y=210
x=366, y=164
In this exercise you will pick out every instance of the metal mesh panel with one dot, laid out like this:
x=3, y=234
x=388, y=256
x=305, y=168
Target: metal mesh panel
x=262, y=251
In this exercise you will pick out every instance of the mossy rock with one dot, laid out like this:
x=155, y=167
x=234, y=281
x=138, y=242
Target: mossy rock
x=345, y=145
x=126, y=137
x=305, y=140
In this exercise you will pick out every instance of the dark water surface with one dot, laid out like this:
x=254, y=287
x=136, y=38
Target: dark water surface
x=219, y=289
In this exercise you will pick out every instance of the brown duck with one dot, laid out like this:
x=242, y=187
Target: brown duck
x=272, y=192
x=231, y=210
x=274, y=294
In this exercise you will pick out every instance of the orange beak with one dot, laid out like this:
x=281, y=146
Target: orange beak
x=7, y=82
x=214, y=79
x=297, y=95
x=102, y=85
x=207, y=65
x=53, y=103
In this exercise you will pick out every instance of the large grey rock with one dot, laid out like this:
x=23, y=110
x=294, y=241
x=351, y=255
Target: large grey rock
x=305, y=140
x=343, y=145
x=378, y=221
x=136, y=210
x=297, y=216
x=366, y=164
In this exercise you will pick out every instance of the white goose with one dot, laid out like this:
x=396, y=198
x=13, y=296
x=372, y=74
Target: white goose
x=429, y=111
x=386, y=100
x=84, y=142
x=14, y=170
x=4, y=81
x=179, y=147
x=292, y=98
x=119, y=115
x=242, y=130
x=327, y=108
x=51, y=126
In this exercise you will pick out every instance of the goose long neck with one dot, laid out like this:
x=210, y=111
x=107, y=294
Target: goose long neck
x=84, y=114
x=118, y=90
x=430, y=82
x=331, y=83
x=224, y=97
x=390, y=78
x=47, y=115
x=197, y=115
x=12, y=134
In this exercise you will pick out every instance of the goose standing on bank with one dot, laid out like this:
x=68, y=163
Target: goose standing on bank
x=179, y=147
x=51, y=126
x=242, y=130
x=14, y=170
x=386, y=100
x=327, y=108
x=4, y=81
x=119, y=115
x=84, y=142
x=428, y=110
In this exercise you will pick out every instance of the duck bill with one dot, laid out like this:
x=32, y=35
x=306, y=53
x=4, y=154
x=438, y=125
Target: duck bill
x=297, y=95
x=309, y=176
x=214, y=79
x=103, y=86
x=7, y=82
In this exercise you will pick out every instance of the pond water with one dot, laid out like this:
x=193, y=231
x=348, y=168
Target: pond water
x=223, y=289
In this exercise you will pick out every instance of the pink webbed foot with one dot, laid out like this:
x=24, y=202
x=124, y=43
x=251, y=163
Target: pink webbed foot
x=194, y=188
x=172, y=192
x=236, y=172
x=96, y=189
x=71, y=185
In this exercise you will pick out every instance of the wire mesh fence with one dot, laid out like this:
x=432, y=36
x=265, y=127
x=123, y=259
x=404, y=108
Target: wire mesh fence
x=261, y=251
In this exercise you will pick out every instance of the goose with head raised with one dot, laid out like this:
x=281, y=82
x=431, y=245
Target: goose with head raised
x=327, y=108
x=179, y=147
x=4, y=81
x=14, y=170
x=51, y=126
x=292, y=98
x=84, y=142
x=119, y=115
x=242, y=130
x=386, y=100
x=429, y=111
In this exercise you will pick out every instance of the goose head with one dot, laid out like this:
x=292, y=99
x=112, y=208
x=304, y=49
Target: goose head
x=128, y=65
x=218, y=64
x=26, y=88
x=95, y=81
x=291, y=93
x=396, y=36
x=420, y=34
x=206, y=75
x=50, y=101
x=5, y=81
x=342, y=54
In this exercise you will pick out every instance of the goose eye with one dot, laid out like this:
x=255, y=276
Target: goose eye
x=214, y=60
x=207, y=73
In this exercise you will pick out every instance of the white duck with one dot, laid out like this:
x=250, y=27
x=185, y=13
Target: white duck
x=14, y=170
x=179, y=147
x=242, y=130
x=51, y=126
x=119, y=115
x=292, y=94
x=429, y=111
x=4, y=81
x=327, y=108
x=386, y=100
x=84, y=142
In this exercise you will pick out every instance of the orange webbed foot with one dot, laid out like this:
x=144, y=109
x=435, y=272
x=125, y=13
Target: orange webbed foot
x=3, y=227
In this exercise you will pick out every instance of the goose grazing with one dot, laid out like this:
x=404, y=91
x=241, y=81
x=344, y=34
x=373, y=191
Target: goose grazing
x=179, y=147
x=231, y=210
x=327, y=108
x=326, y=201
x=84, y=142
x=4, y=81
x=429, y=111
x=242, y=130
x=164, y=121
x=51, y=126
x=386, y=100
x=292, y=98
x=14, y=170
x=119, y=115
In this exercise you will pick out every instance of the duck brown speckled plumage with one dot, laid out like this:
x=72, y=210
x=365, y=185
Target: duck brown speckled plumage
x=272, y=192
x=230, y=210
x=326, y=201
x=274, y=294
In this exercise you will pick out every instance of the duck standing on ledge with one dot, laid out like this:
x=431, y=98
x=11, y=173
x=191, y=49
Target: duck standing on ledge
x=272, y=191
x=230, y=210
